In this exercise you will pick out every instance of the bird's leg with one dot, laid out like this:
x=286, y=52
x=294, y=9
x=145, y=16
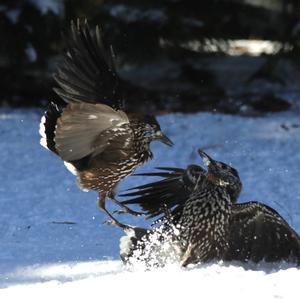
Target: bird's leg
x=124, y=209
x=101, y=201
x=112, y=220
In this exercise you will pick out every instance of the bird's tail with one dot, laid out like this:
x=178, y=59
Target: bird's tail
x=48, y=125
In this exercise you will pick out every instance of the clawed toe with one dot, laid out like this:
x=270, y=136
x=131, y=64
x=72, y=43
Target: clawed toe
x=117, y=224
x=110, y=222
x=119, y=212
x=125, y=210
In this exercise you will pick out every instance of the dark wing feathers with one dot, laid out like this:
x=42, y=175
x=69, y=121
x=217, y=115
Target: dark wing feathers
x=164, y=196
x=153, y=197
x=87, y=73
x=85, y=129
x=253, y=224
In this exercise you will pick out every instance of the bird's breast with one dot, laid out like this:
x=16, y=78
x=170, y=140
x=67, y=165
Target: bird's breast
x=204, y=224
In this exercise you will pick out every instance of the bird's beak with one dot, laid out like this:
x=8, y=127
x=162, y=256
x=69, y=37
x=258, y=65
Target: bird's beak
x=211, y=167
x=207, y=160
x=164, y=139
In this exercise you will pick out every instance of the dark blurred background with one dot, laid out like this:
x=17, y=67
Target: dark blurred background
x=232, y=56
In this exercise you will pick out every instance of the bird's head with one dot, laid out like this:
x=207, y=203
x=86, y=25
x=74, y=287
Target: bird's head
x=222, y=175
x=152, y=131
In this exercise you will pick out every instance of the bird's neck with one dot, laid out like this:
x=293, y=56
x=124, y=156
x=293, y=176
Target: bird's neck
x=142, y=145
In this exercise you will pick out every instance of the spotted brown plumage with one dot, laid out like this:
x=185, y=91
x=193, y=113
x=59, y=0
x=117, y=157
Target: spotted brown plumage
x=210, y=225
x=99, y=140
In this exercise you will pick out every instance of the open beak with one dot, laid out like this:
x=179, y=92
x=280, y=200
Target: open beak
x=207, y=160
x=164, y=139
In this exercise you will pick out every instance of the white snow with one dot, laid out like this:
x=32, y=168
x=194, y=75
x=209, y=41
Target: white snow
x=125, y=243
x=53, y=240
x=111, y=280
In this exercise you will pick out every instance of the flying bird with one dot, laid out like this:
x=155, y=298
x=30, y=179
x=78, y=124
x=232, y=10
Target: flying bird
x=99, y=140
x=199, y=209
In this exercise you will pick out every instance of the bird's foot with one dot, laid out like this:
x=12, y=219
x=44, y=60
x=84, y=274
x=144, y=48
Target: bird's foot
x=111, y=194
x=126, y=210
x=114, y=222
x=109, y=222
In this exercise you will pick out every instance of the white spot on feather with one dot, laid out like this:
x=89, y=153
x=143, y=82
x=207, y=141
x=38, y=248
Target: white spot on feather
x=42, y=127
x=43, y=143
x=70, y=167
x=43, y=140
x=92, y=116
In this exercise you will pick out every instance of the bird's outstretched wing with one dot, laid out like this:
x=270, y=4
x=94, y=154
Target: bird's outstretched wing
x=257, y=232
x=165, y=197
x=87, y=73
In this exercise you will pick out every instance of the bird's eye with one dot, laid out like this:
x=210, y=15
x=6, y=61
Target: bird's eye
x=223, y=166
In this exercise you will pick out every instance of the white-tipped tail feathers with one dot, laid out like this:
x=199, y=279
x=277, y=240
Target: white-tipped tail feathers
x=42, y=131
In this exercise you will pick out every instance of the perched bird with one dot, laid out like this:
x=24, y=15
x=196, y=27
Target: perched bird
x=93, y=133
x=201, y=207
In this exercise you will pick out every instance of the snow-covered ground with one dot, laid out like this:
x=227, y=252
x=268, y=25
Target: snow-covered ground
x=53, y=240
